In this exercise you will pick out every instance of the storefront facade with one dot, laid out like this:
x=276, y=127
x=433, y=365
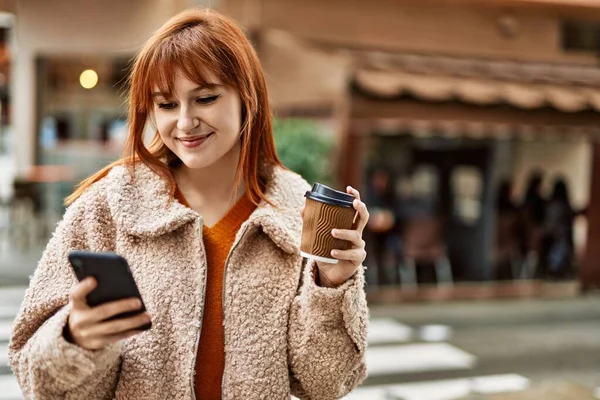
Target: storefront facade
x=489, y=90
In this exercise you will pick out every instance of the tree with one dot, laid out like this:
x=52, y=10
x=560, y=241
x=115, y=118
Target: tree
x=304, y=147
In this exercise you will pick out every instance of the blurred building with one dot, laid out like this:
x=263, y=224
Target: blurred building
x=457, y=94
x=463, y=93
x=55, y=41
x=63, y=123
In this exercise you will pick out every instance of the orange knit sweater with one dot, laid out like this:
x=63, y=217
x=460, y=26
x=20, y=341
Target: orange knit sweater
x=211, y=353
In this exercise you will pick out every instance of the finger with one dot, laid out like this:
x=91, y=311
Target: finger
x=353, y=192
x=350, y=235
x=80, y=292
x=302, y=211
x=356, y=256
x=118, y=326
x=363, y=215
x=105, y=311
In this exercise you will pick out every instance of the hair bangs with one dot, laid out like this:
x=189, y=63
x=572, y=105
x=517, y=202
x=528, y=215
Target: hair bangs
x=184, y=53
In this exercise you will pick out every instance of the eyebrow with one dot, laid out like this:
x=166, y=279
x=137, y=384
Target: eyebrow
x=210, y=86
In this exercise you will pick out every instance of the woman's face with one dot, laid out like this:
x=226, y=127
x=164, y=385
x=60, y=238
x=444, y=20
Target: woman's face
x=200, y=124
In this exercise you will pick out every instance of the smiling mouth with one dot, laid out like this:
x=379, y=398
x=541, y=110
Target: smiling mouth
x=194, y=138
x=194, y=141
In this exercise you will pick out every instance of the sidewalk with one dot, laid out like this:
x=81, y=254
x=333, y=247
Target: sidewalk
x=484, y=290
x=492, y=312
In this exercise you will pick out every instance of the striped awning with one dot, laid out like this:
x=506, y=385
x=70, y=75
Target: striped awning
x=433, y=95
x=528, y=86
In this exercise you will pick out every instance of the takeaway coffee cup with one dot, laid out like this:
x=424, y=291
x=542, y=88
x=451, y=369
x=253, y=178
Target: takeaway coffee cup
x=326, y=209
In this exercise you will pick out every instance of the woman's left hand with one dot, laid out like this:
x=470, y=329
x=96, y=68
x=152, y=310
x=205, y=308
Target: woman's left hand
x=333, y=275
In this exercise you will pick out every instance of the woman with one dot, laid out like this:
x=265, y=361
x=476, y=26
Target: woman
x=558, y=242
x=208, y=219
x=382, y=229
x=533, y=209
x=510, y=235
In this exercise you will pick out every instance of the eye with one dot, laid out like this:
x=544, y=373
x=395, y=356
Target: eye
x=167, y=106
x=207, y=100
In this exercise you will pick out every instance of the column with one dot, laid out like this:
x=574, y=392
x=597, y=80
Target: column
x=589, y=273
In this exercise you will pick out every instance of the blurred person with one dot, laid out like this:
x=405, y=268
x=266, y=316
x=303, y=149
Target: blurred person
x=422, y=230
x=381, y=231
x=510, y=235
x=558, y=242
x=533, y=208
x=210, y=222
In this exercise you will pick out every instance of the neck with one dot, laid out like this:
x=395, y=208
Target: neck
x=214, y=184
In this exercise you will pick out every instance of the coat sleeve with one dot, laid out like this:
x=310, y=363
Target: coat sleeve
x=327, y=338
x=45, y=364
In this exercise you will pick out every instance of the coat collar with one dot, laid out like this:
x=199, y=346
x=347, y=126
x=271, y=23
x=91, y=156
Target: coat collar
x=141, y=206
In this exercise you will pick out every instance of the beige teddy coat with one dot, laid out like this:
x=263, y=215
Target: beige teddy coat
x=283, y=334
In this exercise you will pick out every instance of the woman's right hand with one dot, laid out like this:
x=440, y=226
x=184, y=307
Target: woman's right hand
x=87, y=326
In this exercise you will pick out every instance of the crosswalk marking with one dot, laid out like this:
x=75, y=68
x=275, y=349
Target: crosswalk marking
x=3, y=354
x=9, y=388
x=12, y=294
x=417, y=358
x=435, y=333
x=8, y=312
x=5, y=330
x=387, y=330
x=450, y=389
x=500, y=383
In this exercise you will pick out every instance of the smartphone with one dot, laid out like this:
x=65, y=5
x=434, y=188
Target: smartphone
x=115, y=281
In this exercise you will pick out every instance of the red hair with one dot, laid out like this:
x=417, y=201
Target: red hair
x=196, y=42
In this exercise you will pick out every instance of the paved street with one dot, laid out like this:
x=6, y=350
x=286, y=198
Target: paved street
x=10, y=298
x=526, y=342
x=448, y=351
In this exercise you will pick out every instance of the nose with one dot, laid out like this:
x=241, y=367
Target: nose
x=187, y=122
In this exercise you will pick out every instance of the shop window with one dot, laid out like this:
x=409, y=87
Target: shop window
x=424, y=182
x=467, y=187
x=580, y=36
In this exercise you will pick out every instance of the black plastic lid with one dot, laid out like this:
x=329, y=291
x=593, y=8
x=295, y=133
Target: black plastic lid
x=329, y=196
